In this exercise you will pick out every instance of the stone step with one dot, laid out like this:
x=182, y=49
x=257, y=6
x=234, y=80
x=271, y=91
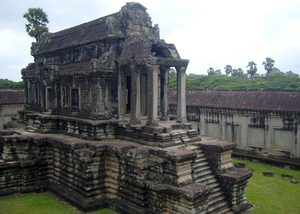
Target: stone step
x=211, y=181
x=192, y=133
x=178, y=134
x=201, y=154
x=199, y=159
x=200, y=164
x=185, y=140
x=202, y=171
x=214, y=185
x=219, y=199
x=175, y=147
x=216, y=194
x=192, y=148
x=226, y=211
x=216, y=189
x=216, y=206
x=178, y=142
x=205, y=178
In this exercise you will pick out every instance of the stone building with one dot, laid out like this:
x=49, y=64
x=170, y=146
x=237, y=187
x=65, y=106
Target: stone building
x=263, y=123
x=104, y=69
x=96, y=129
x=11, y=101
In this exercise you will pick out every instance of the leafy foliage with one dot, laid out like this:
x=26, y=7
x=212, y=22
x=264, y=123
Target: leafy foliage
x=269, y=64
x=276, y=81
x=37, y=20
x=172, y=72
x=8, y=84
x=211, y=71
x=228, y=70
x=252, y=69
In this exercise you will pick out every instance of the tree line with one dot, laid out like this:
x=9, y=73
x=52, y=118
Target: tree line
x=274, y=78
x=8, y=84
x=252, y=70
x=275, y=82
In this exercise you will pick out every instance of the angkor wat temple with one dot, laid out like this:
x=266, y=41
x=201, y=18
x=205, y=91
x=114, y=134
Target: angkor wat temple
x=96, y=130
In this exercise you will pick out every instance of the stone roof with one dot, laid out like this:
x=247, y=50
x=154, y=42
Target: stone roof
x=130, y=29
x=131, y=18
x=265, y=100
x=71, y=37
x=10, y=96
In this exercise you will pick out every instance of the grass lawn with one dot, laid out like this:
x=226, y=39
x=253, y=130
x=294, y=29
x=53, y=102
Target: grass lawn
x=272, y=194
x=39, y=203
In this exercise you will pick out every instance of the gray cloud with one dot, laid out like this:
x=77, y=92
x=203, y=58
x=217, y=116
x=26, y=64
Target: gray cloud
x=209, y=33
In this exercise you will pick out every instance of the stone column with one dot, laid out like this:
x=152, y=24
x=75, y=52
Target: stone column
x=135, y=109
x=164, y=103
x=26, y=91
x=152, y=87
x=181, y=100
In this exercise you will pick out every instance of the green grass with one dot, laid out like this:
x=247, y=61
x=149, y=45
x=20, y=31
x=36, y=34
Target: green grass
x=272, y=194
x=40, y=203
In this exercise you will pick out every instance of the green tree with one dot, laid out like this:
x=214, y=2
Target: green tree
x=291, y=74
x=252, y=69
x=269, y=64
x=237, y=72
x=218, y=72
x=37, y=20
x=211, y=71
x=276, y=71
x=8, y=84
x=172, y=72
x=228, y=69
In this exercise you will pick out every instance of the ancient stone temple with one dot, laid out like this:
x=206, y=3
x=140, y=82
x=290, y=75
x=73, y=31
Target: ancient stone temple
x=96, y=130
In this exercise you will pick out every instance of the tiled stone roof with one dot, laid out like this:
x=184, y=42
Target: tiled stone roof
x=241, y=99
x=81, y=34
x=10, y=96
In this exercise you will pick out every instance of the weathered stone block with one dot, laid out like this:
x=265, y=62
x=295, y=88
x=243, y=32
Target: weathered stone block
x=268, y=173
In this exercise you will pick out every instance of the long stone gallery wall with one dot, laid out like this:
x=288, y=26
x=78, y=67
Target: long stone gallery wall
x=264, y=124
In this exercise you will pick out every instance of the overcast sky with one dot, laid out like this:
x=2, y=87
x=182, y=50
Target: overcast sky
x=208, y=33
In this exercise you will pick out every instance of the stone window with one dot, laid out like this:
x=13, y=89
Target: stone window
x=75, y=97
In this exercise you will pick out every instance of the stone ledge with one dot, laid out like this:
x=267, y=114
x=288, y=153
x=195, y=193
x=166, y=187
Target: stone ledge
x=216, y=146
x=190, y=192
x=7, y=132
x=234, y=176
x=181, y=155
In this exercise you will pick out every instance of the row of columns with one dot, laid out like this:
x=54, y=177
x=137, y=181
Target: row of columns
x=152, y=94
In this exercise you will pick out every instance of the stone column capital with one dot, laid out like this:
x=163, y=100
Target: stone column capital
x=180, y=69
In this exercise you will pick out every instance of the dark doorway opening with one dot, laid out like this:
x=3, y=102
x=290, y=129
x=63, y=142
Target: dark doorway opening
x=48, y=98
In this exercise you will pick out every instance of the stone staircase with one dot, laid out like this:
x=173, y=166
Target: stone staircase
x=203, y=174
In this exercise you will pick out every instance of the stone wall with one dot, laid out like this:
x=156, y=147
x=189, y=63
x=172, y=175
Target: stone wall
x=7, y=111
x=258, y=133
x=125, y=176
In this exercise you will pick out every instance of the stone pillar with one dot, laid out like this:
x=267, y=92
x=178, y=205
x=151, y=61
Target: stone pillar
x=152, y=87
x=26, y=91
x=135, y=110
x=164, y=103
x=181, y=100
